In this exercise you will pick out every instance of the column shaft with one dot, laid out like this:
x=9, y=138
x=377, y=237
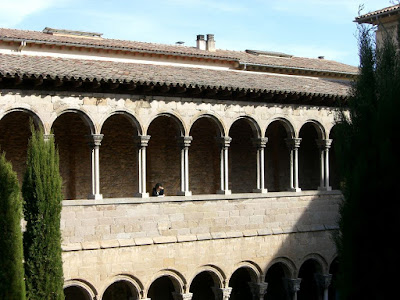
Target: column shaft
x=142, y=143
x=260, y=144
x=224, y=144
x=94, y=142
x=184, y=143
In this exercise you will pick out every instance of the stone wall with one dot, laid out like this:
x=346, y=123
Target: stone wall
x=144, y=239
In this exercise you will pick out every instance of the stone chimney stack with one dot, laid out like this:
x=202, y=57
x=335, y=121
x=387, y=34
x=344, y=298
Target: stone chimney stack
x=200, y=42
x=210, y=43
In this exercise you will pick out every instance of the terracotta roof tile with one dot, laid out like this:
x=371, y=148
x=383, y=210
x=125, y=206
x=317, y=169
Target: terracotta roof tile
x=52, y=67
x=241, y=56
x=367, y=18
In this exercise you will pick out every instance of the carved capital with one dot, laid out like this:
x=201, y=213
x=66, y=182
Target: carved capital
x=293, y=143
x=94, y=139
x=323, y=281
x=293, y=285
x=142, y=140
x=258, y=290
x=324, y=144
x=260, y=142
x=224, y=141
x=184, y=141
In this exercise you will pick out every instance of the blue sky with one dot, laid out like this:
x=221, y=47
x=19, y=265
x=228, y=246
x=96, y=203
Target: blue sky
x=307, y=28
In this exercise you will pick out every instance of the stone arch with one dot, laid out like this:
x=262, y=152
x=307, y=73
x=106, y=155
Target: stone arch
x=245, y=281
x=89, y=290
x=309, y=155
x=130, y=117
x=312, y=267
x=15, y=133
x=277, y=154
x=253, y=124
x=217, y=274
x=163, y=153
x=288, y=265
x=243, y=155
x=207, y=283
x=217, y=121
x=318, y=259
x=31, y=112
x=278, y=273
x=119, y=155
x=320, y=129
x=204, y=154
x=134, y=285
x=334, y=173
x=177, y=279
x=87, y=119
x=287, y=125
x=256, y=272
x=71, y=129
x=177, y=119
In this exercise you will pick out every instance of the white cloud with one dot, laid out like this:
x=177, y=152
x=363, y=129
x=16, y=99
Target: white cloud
x=13, y=12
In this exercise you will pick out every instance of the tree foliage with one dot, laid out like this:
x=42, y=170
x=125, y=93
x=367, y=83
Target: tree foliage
x=12, y=285
x=369, y=164
x=42, y=195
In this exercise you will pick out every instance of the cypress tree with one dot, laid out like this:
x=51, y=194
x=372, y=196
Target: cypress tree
x=369, y=163
x=12, y=285
x=42, y=195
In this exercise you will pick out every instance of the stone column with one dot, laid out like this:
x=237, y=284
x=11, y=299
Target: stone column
x=293, y=286
x=184, y=143
x=324, y=146
x=224, y=144
x=260, y=144
x=181, y=296
x=94, y=144
x=142, y=143
x=258, y=290
x=294, y=145
x=222, y=293
x=323, y=282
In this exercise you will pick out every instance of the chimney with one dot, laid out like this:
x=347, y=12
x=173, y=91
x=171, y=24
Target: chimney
x=210, y=43
x=200, y=42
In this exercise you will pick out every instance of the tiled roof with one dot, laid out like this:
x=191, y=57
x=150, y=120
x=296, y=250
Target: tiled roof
x=18, y=65
x=240, y=56
x=369, y=17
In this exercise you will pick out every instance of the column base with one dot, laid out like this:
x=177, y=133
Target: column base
x=95, y=197
x=184, y=193
x=142, y=195
x=324, y=188
x=262, y=191
x=295, y=190
x=224, y=192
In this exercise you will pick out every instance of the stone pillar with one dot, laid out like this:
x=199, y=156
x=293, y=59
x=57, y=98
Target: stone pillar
x=260, y=144
x=293, y=286
x=222, y=293
x=224, y=144
x=324, y=146
x=184, y=143
x=258, y=290
x=181, y=296
x=294, y=145
x=323, y=282
x=142, y=143
x=94, y=144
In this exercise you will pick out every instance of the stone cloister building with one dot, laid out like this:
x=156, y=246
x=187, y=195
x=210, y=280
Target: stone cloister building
x=242, y=142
